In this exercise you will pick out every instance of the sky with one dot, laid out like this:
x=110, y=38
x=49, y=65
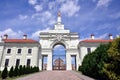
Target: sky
x=100, y=17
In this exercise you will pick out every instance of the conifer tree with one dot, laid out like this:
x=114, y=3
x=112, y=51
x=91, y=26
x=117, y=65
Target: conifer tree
x=0, y=74
x=20, y=70
x=11, y=72
x=93, y=63
x=24, y=69
x=112, y=67
x=5, y=73
x=16, y=71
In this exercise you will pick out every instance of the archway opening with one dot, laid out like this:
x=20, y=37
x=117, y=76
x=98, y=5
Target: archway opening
x=59, y=57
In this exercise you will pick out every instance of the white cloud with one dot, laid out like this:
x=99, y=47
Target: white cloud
x=94, y=0
x=59, y=48
x=51, y=22
x=45, y=17
x=118, y=28
x=103, y=36
x=70, y=8
x=35, y=35
x=60, y=1
x=104, y=26
x=23, y=17
x=38, y=7
x=11, y=33
x=103, y=3
x=51, y=5
x=32, y=2
x=47, y=14
x=116, y=15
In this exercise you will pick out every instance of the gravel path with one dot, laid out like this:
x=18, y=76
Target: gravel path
x=56, y=75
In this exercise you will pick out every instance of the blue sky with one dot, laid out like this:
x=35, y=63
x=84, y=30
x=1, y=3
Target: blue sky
x=101, y=17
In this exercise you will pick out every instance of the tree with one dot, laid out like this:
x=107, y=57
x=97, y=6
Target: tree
x=16, y=72
x=24, y=69
x=0, y=74
x=11, y=72
x=37, y=69
x=93, y=62
x=20, y=70
x=5, y=73
x=112, y=67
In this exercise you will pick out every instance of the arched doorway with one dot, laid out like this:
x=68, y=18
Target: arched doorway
x=59, y=57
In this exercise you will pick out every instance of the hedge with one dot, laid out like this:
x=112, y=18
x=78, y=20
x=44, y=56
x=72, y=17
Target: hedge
x=18, y=71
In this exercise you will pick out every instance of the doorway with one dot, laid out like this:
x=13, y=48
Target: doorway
x=73, y=62
x=44, y=62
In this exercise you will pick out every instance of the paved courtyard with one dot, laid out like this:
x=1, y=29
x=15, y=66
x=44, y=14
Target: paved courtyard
x=56, y=75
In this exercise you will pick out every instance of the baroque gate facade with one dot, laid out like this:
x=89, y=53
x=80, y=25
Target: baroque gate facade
x=59, y=36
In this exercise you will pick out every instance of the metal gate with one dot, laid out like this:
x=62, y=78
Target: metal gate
x=59, y=62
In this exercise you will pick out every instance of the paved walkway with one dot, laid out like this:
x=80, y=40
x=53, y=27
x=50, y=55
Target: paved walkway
x=56, y=75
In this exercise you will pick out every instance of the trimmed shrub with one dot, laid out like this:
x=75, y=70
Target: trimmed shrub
x=0, y=74
x=20, y=70
x=24, y=70
x=5, y=73
x=16, y=72
x=37, y=69
x=11, y=72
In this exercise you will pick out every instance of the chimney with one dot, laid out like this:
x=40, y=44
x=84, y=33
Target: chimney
x=24, y=36
x=92, y=36
x=5, y=36
x=110, y=36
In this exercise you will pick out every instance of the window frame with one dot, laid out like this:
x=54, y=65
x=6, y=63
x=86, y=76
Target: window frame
x=7, y=62
x=28, y=62
x=89, y=50
x=29, y=51
x=8, y=51
x=17, y=62
x=19, y=52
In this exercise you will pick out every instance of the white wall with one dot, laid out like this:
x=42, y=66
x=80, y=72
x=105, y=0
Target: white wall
x=23, y=56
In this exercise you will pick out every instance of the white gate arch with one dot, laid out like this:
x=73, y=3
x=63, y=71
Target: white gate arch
x=59, y=36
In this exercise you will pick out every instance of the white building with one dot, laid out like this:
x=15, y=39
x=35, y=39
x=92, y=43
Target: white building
x=30, y=52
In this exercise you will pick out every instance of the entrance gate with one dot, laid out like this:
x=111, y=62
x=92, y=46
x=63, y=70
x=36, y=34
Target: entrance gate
x=59, y=58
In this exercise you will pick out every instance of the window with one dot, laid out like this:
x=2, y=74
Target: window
x=9, y=51
x=29, y=51
x=17, y=62
x=28, y=62
x=89, y=50
x=6, y=62
x=19, y=51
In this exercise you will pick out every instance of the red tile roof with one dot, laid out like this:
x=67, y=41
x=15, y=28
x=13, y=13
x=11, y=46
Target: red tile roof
x=96, y=40
x=19, y=41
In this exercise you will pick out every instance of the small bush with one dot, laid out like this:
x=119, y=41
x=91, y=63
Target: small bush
x=5, y=73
